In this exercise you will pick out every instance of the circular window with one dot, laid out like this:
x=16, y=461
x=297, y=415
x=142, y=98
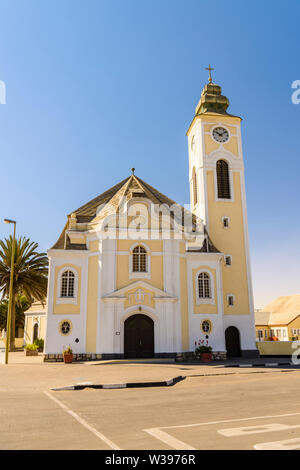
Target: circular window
x=206, y=326
x=65, y=327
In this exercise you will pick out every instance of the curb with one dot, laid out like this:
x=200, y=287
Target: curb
x=267, y=364
x=82, y=386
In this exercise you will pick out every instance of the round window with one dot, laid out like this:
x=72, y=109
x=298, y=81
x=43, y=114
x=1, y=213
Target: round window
x=206, y=326
x=65, y=327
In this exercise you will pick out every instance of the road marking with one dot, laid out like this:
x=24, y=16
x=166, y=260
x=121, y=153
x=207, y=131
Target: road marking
x=168, y=439
x=288, y=444
x=229, y=421
x=98, y=434
x=180, y=445
x=231, y=432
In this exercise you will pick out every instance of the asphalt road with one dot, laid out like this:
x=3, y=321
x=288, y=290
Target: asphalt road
x=239, y=411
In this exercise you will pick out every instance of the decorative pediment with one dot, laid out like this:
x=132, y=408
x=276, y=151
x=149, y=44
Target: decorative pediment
x=139, y=293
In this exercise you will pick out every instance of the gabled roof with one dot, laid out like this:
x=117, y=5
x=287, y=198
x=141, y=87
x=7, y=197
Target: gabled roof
x=89, y=210
x=284, y=304
x=121, y=293
x=274, y=319
x=106, y=203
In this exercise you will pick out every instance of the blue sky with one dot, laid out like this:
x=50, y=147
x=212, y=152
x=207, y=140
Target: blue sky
x=95, y=88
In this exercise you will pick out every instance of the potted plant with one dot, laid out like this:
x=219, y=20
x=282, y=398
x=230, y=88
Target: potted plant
x=203, y=350
x=68, y=355
x=31, y=350
x=40, y=344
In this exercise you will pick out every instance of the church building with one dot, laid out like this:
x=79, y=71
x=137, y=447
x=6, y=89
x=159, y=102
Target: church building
x=135, y=275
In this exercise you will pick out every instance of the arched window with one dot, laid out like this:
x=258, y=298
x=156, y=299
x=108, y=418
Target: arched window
x=195, y=189
x=223, y=180
x=67, y=284
x=139, y=260
x=35, y=332
x=204, y=286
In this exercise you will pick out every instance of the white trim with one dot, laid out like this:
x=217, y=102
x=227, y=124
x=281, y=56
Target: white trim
x=67, y=300
x=211, y=299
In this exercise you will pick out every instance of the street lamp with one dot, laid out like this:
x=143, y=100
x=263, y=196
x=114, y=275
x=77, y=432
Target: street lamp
x=8, y=332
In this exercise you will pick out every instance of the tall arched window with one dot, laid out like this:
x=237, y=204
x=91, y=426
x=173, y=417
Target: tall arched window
x=67, y=284
x=223, y=180
x=35, y=332
x=204, y=286
x=139, y=260
x=195, y=190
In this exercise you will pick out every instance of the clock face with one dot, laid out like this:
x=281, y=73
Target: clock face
x=220, y=134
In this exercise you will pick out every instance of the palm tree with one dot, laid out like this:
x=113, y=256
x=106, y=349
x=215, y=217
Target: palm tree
x=22, y=304
x=30, y=274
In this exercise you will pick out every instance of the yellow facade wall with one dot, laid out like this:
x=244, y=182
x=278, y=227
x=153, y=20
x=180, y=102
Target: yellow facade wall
x=295, y=324
x=230, y=241
x=94, y=245
x=92, y=304
x=205, y=308
x=29, y=327
x=66, y=308
x=266, y=329
x=28, y=330
x=123, y=278
x=210, y=144
x=232, y=146
x=275, y=348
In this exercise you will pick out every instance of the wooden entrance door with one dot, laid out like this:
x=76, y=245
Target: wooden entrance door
x=232, y=341
x=138, y=337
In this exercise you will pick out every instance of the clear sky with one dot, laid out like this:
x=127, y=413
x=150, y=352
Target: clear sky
x=96, y=87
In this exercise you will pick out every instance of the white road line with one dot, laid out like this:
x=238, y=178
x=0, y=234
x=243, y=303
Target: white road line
x=98, y=434
x=169, y=440
x=289, y=444
x=231, y=432
x=228, y=421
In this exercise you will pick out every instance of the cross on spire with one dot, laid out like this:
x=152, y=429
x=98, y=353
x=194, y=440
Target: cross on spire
x=209, y=69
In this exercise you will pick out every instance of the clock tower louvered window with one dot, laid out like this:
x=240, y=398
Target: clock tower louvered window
x=223, y=180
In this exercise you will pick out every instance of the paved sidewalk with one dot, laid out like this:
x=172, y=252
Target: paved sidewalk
x=31, y=372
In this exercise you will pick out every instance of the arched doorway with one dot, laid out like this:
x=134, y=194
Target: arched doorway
x=35, y=332
x=138, y=337
x=232, y=341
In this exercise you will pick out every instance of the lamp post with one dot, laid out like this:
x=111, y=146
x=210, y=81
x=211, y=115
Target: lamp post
x=8, y=329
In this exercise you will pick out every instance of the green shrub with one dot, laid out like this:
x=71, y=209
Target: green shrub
x=39, y=342
x=68, y=351
x=203, y=349
x=31, y=347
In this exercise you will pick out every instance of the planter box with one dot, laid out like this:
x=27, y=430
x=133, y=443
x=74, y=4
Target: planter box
x=68, y=358
x=206, y=357
x=30, y=352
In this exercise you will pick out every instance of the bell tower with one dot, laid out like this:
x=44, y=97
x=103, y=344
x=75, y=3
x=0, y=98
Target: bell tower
x=217, y=195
